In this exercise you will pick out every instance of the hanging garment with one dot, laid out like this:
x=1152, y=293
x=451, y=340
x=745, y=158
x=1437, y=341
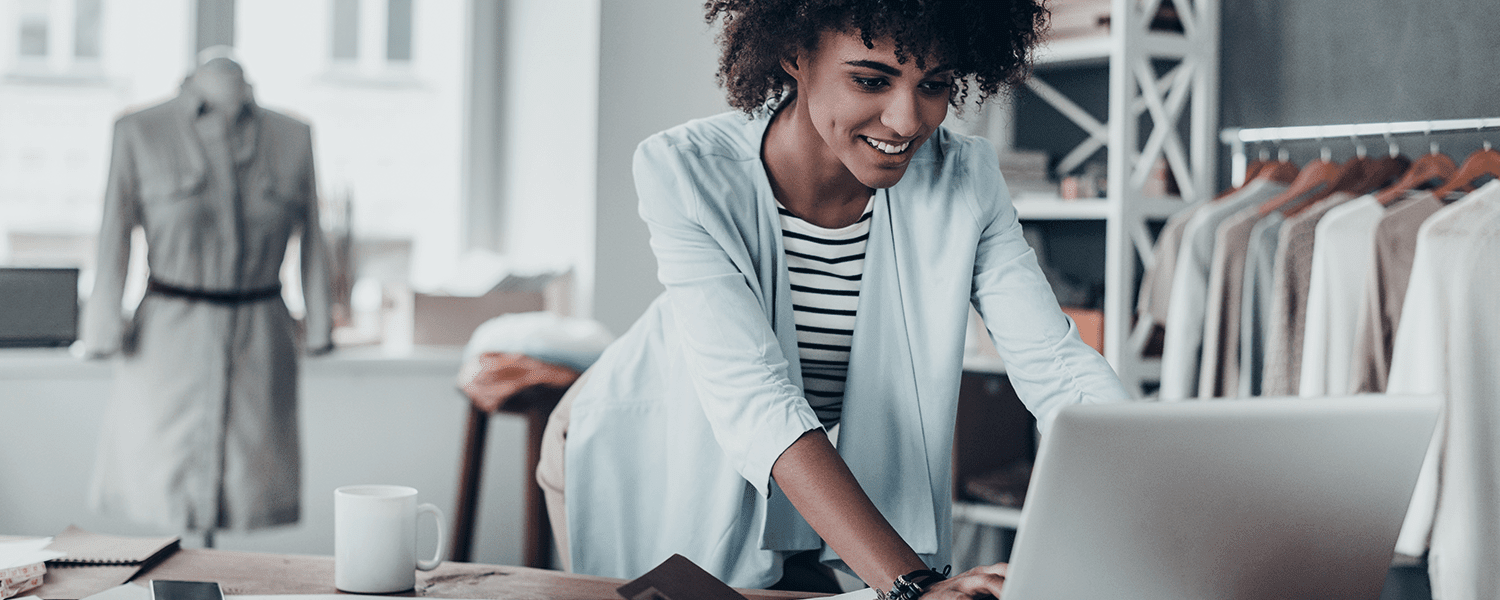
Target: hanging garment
x=1289, y=292
x=1341, y=257
x=1156, y=284
x=1219, y=368
x=1255, y=301
x=1448, y=343
x=1183, y=346
x=1385, y=290
x=201, y=426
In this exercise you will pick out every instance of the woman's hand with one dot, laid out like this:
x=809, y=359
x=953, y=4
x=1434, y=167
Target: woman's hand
x=974, y=584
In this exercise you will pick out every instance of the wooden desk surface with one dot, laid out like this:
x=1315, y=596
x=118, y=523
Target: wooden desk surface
x=245, y=573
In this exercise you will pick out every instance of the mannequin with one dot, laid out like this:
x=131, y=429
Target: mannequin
x=201, y=428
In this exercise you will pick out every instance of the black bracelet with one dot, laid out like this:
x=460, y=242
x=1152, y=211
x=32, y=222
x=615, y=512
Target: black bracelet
x=912, y=585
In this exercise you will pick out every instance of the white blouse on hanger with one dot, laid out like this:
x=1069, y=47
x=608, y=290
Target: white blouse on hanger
x=1341, y=258
x=1448, y=342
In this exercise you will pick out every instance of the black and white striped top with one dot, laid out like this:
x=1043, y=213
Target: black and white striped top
x=824, y=267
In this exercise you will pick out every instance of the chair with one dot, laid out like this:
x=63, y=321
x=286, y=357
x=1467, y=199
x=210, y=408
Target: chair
x=512, y=384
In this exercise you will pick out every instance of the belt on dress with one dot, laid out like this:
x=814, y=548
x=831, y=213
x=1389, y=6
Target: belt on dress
x=212, y=296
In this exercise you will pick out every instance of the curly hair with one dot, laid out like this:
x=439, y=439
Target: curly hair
x=987, y=43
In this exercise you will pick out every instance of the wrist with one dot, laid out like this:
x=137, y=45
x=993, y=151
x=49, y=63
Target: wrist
x=913, y=585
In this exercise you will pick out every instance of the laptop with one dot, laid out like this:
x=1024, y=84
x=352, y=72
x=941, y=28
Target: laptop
x=38, y=307
x=1230, y=500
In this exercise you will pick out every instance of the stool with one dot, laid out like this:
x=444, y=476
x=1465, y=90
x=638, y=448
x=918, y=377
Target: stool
x=534, y=402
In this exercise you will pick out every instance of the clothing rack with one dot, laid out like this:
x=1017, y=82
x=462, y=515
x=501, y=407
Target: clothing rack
x=1237, y=138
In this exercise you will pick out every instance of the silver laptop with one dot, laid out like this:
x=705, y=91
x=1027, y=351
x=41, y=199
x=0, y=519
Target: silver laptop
x=1225, y=500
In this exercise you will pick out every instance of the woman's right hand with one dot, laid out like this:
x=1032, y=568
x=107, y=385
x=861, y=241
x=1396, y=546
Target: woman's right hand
x=978, y=583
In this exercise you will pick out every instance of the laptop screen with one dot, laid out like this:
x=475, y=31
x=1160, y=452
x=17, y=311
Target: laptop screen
x=38, y=307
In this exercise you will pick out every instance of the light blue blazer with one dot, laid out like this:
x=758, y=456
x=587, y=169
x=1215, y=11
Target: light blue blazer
x=672, y=438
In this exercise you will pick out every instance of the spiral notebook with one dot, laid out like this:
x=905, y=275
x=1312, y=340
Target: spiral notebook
x=88, y=549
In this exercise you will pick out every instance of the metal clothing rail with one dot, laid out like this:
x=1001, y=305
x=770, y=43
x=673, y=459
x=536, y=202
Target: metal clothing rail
x=1237, y=138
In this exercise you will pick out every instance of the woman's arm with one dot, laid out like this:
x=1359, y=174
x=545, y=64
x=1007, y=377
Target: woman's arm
x=814, y=477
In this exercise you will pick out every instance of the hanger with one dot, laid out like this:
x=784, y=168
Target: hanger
x=1485, y=161
x=1314, y=178
x=1281, y=170
x=1384, y=170
x=1432, y=166
x=1253, y=169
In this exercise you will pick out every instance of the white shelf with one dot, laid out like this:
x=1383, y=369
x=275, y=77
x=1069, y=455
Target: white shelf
x=1074, y=52
x=1094, y=51
x=1057, y=209
x=992, y=515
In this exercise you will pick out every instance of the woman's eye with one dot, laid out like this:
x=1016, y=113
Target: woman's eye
x=937, y=87
x=872, y=83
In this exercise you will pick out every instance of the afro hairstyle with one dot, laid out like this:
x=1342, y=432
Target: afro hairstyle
x=987, y=43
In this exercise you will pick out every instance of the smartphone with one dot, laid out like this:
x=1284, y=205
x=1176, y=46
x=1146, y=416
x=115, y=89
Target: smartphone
x=164, y=589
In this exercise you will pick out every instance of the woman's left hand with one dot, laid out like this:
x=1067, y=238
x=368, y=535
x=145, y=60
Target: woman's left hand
x=977, y=583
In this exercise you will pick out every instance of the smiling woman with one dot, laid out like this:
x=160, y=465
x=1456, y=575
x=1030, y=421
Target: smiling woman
x=820, y=251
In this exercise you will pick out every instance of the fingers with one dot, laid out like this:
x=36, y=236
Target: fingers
x=975, y=584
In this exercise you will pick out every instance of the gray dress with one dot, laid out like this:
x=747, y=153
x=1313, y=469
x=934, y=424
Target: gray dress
x=201, y=427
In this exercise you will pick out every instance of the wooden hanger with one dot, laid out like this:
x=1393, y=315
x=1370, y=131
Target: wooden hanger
x=1351, y=173
x=1254, y=168
x=1251, y=171
x=1382, y=172
x=1432, y=166
x=1485, y=161
x=1280, y=170
x=1314, y=177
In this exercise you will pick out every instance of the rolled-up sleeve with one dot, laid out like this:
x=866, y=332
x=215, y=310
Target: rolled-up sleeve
x=736, y=364
x=1045, y=358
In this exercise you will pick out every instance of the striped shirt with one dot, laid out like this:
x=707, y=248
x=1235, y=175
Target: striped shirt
x=824, y=268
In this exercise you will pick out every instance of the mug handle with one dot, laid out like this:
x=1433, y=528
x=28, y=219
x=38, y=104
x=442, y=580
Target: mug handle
x=442, y=545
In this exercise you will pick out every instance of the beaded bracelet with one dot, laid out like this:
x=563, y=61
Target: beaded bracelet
x=912, y=585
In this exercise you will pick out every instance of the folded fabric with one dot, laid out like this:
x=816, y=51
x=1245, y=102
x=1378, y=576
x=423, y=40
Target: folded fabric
x=571, y=342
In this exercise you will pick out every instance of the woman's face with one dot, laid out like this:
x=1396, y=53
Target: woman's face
x=872, y=111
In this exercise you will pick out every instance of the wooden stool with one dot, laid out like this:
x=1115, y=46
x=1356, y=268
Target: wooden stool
x=535, y=403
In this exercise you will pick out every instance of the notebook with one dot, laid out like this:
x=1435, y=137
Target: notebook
x=86, y=549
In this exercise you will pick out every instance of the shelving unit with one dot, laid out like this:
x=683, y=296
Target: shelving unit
x=1160, y=76
x=1152, y=74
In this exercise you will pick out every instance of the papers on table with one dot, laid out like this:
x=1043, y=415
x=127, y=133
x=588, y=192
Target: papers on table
x=23, y=563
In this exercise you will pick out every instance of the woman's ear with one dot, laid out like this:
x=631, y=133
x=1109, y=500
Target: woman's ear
x=792, y=68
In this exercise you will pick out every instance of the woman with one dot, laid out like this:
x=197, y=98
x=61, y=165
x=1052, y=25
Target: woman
x=703, y=430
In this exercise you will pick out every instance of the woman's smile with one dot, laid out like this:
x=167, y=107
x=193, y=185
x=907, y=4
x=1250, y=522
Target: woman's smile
x=887, y=147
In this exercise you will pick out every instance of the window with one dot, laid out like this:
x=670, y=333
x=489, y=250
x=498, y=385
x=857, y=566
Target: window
x=398, y=30
x=57, y=38
x=86, y=29
x=33, y=22
x=345, y=30
x=371, y=36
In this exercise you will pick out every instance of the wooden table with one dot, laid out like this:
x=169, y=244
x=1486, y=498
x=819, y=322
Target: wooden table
x=245, y=573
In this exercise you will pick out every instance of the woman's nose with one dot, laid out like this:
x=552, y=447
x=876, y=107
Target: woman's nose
x=903, y=115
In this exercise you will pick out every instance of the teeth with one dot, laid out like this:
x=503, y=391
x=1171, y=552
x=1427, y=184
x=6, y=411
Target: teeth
x=887, y=148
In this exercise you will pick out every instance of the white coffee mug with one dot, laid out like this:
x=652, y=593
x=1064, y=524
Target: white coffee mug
x=375, y=538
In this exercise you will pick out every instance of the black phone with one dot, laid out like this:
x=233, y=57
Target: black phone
x=166, y=589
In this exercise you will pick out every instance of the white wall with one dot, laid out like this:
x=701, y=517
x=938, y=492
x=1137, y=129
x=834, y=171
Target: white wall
x=657, y=60
x=363, y=421
x=550, y=127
